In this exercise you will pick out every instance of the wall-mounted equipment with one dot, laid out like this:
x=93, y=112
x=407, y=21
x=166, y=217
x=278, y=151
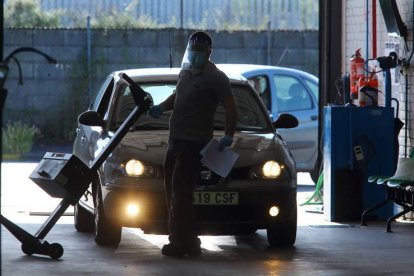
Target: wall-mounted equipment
x=393, y=22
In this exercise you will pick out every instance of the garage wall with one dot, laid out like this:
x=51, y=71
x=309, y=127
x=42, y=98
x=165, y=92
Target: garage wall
x=50, y=92
x=355, y=36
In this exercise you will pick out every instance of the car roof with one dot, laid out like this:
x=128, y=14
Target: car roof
x=242, y=69
x=170, y=74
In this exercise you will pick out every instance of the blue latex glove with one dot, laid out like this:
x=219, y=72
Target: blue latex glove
x=225, y=141
x=155, y=111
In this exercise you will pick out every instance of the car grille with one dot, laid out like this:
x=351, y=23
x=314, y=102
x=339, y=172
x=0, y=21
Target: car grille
x=209, y=178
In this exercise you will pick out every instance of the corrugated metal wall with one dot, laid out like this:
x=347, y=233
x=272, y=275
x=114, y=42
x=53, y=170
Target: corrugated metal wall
x=207, y=14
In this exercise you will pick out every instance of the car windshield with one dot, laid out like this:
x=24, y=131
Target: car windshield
x=251, y=114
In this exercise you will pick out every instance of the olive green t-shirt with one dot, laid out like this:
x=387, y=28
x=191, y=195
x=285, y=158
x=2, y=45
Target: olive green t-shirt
x=196, y=101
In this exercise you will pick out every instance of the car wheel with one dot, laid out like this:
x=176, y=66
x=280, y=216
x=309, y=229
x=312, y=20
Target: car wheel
x=283, y=234
x=107, y=233
x=314, y=174
x=83, y=219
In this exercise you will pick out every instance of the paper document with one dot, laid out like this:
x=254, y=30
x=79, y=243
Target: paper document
x=220, y=162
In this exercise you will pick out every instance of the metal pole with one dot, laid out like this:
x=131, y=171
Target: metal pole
x=2, y=96
x=181, y=14
x=89, y=55
x=269, y=34
x=1, y=29
x=269, y=42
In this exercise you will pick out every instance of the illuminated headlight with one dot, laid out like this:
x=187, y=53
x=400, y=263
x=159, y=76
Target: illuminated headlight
x=274, y=211
x=132, y=209
x=272, y=169
x=134, y=168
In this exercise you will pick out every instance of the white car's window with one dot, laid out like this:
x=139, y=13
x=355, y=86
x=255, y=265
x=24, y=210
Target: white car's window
x=261, y=85
x=313, y=87
x=291, y=94
x=251, y=115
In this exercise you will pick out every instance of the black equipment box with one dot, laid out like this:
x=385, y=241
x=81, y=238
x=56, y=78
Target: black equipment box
x=62, y=175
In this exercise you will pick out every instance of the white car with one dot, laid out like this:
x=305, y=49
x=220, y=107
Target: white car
x=286, y=90
x=128, y=189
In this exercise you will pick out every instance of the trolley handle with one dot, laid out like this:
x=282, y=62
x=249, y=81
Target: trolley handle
x=139, y=95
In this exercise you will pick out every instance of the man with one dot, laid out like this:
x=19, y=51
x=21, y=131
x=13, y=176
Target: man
x=200, y=88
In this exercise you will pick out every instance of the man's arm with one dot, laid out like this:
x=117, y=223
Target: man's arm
x=231, y=116
x=168, y=104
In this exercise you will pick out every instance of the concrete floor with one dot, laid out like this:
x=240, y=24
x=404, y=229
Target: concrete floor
x=322, y=248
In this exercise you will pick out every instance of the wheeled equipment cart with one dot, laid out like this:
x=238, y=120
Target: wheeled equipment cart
x=65, y=176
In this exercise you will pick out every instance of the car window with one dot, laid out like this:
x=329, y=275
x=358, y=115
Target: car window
x=291, y=94
x=251, y=115
x=261, y=85
x=314, y=87
x=101, y=99
x=125, y=104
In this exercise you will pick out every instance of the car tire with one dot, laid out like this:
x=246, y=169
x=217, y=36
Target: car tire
x=83, y=219
x=107, y=233
x=282, y=234
x=314, y=174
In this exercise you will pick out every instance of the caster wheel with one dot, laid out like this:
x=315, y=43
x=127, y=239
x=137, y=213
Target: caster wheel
x=28, y=249
x=55, y=251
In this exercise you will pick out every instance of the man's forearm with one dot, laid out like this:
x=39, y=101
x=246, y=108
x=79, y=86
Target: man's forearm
x=168, y=104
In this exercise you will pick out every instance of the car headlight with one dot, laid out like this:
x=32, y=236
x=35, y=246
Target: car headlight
x=268, y=169
x=137, y=168
x=134, y=168
x=271, y=169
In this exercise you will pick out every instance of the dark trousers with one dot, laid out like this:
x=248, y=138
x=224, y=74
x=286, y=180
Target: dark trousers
x=181, y=171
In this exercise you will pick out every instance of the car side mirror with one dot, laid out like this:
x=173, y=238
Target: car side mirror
x=91, y=118
x=285, y=120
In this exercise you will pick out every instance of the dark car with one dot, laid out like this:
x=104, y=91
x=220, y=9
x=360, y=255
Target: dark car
x=128, y=189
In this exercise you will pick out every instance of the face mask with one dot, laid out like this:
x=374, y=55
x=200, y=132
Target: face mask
x=197, y=59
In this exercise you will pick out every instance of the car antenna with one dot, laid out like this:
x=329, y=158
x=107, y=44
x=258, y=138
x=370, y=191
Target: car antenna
x=169, y=45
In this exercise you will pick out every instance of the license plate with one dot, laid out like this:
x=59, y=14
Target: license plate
x=215, y=198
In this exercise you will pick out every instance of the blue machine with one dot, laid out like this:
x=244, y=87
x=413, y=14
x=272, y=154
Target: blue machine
x=358, y=142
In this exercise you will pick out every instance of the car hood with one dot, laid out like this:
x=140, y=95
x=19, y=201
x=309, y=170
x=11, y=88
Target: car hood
x=150, y=146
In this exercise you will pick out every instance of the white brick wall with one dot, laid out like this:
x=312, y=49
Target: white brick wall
x=354, y=37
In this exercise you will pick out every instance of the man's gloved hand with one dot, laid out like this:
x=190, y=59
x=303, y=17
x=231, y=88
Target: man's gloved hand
x=225, y=141
x=155, y=111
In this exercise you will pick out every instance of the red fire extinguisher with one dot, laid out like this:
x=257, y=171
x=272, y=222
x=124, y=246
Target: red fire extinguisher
x=357, y=72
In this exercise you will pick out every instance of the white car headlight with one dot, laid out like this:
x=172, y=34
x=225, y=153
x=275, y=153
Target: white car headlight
x=272, y=169
x=134, y=168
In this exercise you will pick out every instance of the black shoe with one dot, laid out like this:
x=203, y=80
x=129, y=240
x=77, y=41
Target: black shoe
x=179, y=251
x=193, y=248
x=193, y=251
x=173, y=250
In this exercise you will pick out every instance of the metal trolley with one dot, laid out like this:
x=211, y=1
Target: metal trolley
x=65, y=176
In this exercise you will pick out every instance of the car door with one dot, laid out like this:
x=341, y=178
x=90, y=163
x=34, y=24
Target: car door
x=86, y=136
x=294, y=97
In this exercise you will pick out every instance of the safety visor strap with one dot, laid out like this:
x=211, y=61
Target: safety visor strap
x=198, y=47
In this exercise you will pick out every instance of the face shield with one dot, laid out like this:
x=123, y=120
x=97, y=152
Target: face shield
x=196, y=54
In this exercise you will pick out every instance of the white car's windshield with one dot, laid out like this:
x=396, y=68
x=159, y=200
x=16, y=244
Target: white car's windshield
x=251, y=114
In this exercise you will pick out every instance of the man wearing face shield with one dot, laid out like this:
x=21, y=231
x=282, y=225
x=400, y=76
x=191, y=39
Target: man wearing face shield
x=200, y=88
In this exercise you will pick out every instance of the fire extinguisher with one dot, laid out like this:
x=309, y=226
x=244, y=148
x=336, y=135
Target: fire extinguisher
x=357, y=72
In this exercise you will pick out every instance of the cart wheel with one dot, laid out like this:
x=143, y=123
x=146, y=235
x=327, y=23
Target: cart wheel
x=55, y=251
x=28, y=248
